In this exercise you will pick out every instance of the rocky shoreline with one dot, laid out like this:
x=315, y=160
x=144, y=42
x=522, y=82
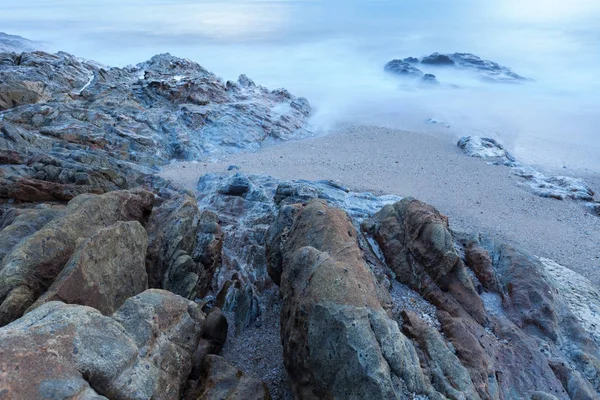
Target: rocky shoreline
x=116, y=283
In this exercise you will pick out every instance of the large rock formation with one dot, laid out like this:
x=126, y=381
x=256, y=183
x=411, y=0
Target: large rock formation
x=73, y=127
x=332, y=316
x=510, y=327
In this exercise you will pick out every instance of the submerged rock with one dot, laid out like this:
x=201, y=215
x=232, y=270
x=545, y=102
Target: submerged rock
x=485, y=69
x=399, y=67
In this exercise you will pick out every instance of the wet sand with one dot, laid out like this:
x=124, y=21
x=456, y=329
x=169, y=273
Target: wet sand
x=475, y=196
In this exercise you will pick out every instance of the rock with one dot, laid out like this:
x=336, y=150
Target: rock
x=430, y=79
x=504, y=336
x=594, y=207
x=437, y=59
x=233, y=167
x=332, y=316
x=220, y=380
x=74, y=127
x=403, y=68
x=238, y=185
x=490, y=70
x=556, y=187
x=66, y=351
x=23, y=226
x=34, y=263
x=104, y=271
x=16, y=44
x=412, y=60
x=208, y=250
x=184, y=247
x=475, y=146
x=448, y=375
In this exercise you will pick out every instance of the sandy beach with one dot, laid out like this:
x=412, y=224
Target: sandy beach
x=475, y=196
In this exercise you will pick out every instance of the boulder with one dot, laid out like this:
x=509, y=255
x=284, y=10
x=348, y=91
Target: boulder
x=70, y=351
x=332, y=316
x=34, y=263
x=23, y=226
x=104, y=270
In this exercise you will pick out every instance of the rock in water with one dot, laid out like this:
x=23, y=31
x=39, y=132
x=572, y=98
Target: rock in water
x=485, y=69
x=399, y=67
x=437, y=59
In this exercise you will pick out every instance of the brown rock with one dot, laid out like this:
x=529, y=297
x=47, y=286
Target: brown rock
x=338, y=342
x=105, y=270
x=31, y=267
x=69, y=351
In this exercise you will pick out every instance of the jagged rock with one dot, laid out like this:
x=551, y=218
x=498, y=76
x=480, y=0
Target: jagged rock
x=505, y=346
x=332, y=316
x=104, y=271
x=69, y=351
x=208, y=250
x=437, y=59
x=184, y=247
x=23, y=226
x=33, y=264
x=220, y=380
x=76, y=127
x=399, y=67
x=419, y=248
x=487, y=70
x=447, y=374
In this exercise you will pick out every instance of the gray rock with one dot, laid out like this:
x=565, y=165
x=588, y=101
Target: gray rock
x=556, y=187
x=403, y=68
x=143, y=351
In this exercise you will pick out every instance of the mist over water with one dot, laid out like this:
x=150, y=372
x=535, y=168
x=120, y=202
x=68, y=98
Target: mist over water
x=333, y=53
